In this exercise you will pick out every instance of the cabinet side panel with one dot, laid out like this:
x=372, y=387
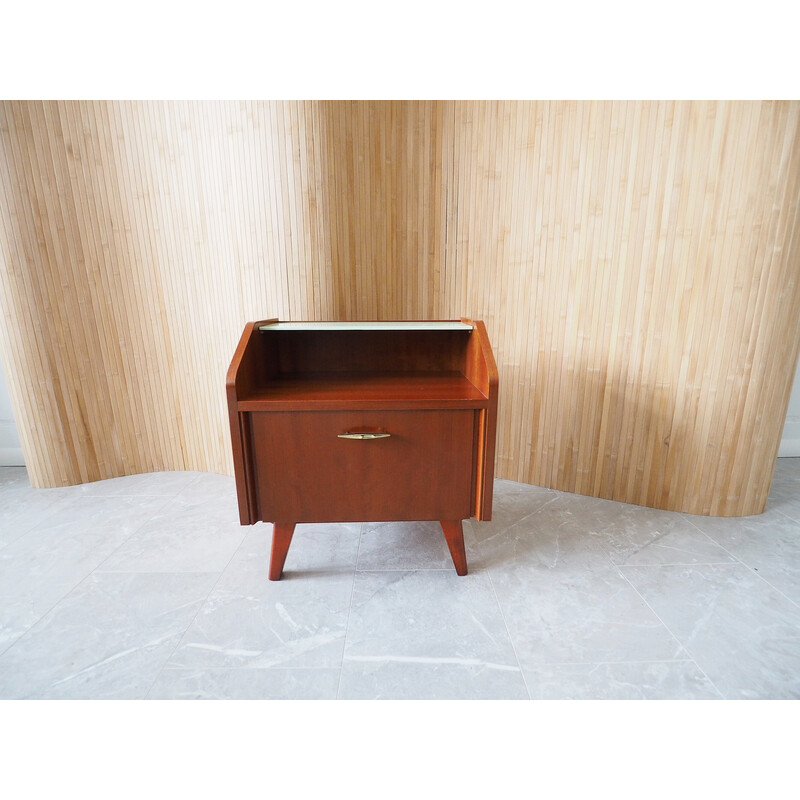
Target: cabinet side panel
x=239, y=469
x=481, y=369
x=252, y=362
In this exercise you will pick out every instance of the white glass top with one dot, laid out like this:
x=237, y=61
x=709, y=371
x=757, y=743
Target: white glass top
x=436, y=325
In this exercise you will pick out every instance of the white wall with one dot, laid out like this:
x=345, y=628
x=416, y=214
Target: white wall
x=10, y=447
x=790, y=440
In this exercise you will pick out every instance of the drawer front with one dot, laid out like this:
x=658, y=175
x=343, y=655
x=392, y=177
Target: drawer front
x=306, y=473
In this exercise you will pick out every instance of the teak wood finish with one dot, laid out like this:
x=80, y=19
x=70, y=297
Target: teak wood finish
x=636, y=264
x=363, y=425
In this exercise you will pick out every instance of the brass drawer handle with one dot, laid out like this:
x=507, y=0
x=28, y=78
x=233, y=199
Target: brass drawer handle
x=348, y=435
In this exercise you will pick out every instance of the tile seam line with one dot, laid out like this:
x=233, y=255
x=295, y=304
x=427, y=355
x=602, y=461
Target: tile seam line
x=672, y=634
x=753, y=570
x=510, y=637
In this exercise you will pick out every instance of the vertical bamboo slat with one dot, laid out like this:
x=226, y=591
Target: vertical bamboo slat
x=637, y=265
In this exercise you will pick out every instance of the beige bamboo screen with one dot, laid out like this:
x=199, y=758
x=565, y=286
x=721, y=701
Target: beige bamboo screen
x=637, y=265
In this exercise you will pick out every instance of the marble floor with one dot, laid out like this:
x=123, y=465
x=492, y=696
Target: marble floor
x=147, y=587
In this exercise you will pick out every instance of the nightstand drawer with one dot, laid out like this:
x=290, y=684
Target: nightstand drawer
x=306, y=472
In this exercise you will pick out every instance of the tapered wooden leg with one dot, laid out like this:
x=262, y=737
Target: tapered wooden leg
x=281, y=539
x=454, y=536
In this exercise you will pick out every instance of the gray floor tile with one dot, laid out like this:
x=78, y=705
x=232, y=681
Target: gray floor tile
x=570, y=604
x=148, y=584
x=741, y=632
x=768, y=543
x=316, y=549
x=206, y=486
x=23, y=507
x=427, y=617
x=555, y=533
x=188, y=534
x=158, y=484
x=512, y=502
x=13, y=476
x=791, y=508
x=407, y=546
x=249, y=621
x=409, y=679
x=787, y=469
x=41, y=567
x=659, y=680
x=784, y=493
x=109, y=638
x=639, y=535
x=245, y=684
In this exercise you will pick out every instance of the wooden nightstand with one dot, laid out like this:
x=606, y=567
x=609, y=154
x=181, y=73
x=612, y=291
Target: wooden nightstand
x=363, y=421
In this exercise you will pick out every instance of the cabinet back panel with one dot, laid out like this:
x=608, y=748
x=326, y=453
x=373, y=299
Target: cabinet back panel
x=351, y=351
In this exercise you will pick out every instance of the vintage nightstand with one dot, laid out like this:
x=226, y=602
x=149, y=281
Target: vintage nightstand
x=363, y=421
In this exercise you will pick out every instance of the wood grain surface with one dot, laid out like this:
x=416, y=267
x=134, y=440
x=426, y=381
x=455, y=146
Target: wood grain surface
x=637, y=265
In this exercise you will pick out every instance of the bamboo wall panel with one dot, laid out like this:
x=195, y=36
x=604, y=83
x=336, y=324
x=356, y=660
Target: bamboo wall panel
x=637, y=265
